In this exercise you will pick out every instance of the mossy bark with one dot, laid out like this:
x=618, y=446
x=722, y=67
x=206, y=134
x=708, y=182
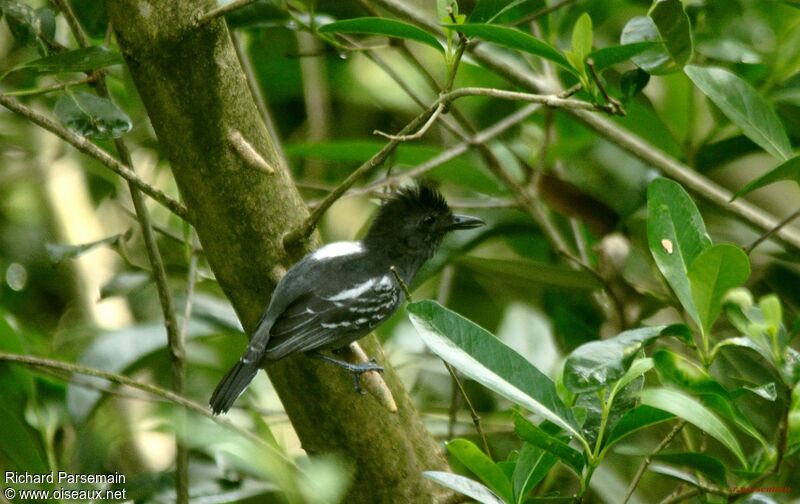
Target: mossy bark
x=196, y=95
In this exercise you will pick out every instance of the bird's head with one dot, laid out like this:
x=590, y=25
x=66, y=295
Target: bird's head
x=414, y=220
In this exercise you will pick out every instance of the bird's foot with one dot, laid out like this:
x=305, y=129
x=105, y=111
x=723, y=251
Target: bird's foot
x=355, y=369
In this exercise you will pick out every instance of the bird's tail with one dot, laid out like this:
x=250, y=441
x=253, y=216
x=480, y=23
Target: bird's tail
x=232, y=385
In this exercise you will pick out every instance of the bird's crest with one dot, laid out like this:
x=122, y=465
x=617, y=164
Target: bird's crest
x=420, y=196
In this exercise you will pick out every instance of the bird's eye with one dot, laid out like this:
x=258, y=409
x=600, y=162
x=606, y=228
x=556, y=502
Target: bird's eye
x=428, y=220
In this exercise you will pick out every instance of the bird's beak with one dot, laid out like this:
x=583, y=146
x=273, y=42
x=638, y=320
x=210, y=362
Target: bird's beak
x=464, y=222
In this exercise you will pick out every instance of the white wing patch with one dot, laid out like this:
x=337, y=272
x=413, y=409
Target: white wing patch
x=337, y=249
x=352, y=292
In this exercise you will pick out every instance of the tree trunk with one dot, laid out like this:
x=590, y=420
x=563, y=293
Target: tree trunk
x=196, y=96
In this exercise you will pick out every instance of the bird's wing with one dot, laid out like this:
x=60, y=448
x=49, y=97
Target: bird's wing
x=314, y=321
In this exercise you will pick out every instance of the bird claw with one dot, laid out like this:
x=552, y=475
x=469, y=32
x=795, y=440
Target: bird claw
x=356, y=369
x=359, y=369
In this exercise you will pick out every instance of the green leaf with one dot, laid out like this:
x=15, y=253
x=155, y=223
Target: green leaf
x=610, y=56
x=528, y=431
x=527, y=273
x=691, y=410
x=634, y=420
x=637, y=369
x=79, y=60
x=385, y=27
x=744, y=107
x=633, y=82
x=676, y=235
x=515, y=39
x=677, y=369
x=597, y=364
x=58, y=252
x=27, y=24
x=482, y=466
x=788, y=170
x=667, y=22
x=714, y=272
x=463, y=485
x=582, y=36
x=92, y=116
x=532, y=466
x=480, y=355
x=706, y=464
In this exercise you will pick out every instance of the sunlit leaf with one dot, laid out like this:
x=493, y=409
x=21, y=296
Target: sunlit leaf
x=714, y=272
x=466, y=486
x=482, y=466
x=481, y=356
x=92, y=115
x=744, y=107
x=597, y=364
x=694, y=412
x=667, y=22
x=515, y=39
x=582, y=36
x=385, y=27
x=676, y=235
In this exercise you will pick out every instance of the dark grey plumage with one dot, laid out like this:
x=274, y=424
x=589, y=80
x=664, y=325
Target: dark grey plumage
x=344, y=290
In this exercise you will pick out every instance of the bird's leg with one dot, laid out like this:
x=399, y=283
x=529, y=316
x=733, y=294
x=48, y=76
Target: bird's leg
x=356, y=369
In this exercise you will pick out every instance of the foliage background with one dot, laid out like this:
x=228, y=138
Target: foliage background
x=97, y=305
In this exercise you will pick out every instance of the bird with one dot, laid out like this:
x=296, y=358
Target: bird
x=344, y=290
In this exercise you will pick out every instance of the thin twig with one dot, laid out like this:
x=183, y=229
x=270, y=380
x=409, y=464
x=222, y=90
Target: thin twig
x=92, y=77
x=634, y=144
x=176, y=347
x=542, y=12
x=74, y=25
x=680, y=497
x=462, y=46
x=476, y=419
x=443, y=157
x=789, y=218
x=646, y=462
x=419, y=133
x=305, y=229
x=612, y=102
x=168, y=395
x=220, y=11
x=84, y=145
